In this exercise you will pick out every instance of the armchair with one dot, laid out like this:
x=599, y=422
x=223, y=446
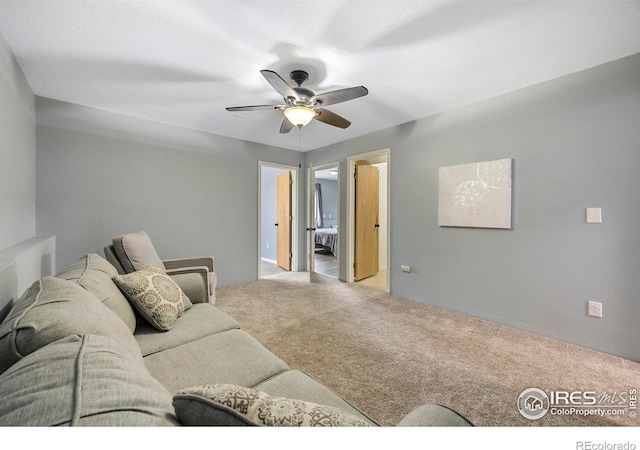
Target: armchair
x=134, y=251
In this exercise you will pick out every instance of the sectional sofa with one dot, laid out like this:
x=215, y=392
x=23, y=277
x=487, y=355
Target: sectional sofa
x=91, y=347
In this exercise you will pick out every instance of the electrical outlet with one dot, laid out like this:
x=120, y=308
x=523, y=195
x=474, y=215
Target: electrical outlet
x=594, y=309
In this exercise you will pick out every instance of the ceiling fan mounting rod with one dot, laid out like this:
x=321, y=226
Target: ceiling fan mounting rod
x=299, y=77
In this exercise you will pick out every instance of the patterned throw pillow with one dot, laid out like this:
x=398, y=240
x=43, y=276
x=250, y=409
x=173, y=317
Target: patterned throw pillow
x=228, y=404
x=155, y=296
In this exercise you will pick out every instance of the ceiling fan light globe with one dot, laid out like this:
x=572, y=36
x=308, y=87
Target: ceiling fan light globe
x=299, y=115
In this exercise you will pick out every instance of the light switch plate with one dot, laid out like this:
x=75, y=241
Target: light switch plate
x=594, y=215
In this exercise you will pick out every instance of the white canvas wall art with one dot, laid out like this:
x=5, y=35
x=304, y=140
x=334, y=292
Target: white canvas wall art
x=476, y=195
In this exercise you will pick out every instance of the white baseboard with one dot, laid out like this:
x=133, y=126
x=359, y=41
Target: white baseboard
x=267, y=260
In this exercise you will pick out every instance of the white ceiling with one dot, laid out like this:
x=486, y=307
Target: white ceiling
x=183, y=62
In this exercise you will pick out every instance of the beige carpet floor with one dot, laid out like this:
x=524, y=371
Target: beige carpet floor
x=388, y=355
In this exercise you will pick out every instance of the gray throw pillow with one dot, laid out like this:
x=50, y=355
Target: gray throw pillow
x=155, y=296
x=51, y=309
x=83, y=381
x=136, y=251
x=228, y=404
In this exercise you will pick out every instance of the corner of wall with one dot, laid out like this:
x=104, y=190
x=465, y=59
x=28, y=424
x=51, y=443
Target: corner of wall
x=22, y=264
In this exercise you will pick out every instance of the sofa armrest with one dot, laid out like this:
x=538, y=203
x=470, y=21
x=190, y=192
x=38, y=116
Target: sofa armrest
x=193, y=281
x=179, y=263
x=432, y=415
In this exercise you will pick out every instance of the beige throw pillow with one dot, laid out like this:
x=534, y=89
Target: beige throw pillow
x=154, y=295
x=228, y=404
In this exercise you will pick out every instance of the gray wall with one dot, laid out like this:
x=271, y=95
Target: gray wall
x=101, y=174
x=576, y=144
x=17, y=153
x=329, y=202
x=24, y=257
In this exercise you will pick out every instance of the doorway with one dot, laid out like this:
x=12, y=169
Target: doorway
x=325, y=196
x=277, y=219
x=368, y=221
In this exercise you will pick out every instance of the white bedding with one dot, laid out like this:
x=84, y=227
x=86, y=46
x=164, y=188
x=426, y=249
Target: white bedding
x=327, y=237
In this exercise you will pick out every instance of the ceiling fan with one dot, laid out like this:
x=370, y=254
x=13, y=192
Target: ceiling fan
x=302, y=105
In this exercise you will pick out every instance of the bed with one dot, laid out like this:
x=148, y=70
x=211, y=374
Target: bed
x=327, y=239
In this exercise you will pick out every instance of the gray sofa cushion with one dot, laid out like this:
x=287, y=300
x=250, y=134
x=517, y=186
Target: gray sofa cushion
x=193, y=285
x=299, y=385
x=229, y=357
x=432, y=415
x=51, y=309
x=136, y=251
x=83, y=381
x=95, y=274
x=200, y=321
x=228, y=404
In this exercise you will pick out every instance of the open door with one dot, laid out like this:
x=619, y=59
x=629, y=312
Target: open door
x=310, y=223
x=284, y=217
x=324, y=207
x=366, y=221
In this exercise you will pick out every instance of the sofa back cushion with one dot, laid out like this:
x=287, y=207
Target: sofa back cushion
x=136, y=251
x=51, y=309
x=95, y=274
x=83, y=381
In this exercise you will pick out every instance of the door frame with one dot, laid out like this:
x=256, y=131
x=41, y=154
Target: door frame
x=294, y=212
x=310, y=206
x=376, y=156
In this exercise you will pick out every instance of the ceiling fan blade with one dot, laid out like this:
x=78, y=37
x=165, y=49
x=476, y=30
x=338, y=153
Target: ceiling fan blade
x=286, y=126
x=331, y=118
x=340, y=95
x=279, y=84
x=255, y=108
